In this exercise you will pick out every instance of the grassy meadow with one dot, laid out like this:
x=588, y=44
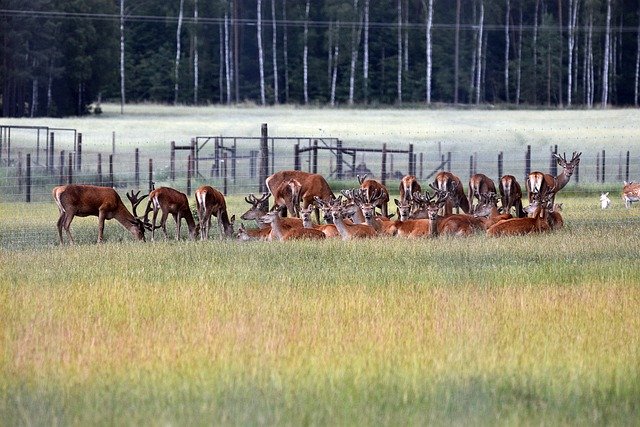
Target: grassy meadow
x=477, y=331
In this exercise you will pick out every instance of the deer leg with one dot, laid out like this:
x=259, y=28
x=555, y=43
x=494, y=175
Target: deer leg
x=66, y=224
x=178, y=218
x=153, y=224
x=59, y=225
x=101, y=218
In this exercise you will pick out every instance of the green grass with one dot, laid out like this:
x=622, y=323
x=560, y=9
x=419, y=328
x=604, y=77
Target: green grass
x=527, y=330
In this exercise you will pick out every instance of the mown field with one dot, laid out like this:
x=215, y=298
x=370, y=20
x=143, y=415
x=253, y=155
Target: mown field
x=477, y=331
x=529, y=330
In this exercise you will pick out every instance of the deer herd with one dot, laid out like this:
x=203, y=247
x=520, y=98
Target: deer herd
x=300, y=197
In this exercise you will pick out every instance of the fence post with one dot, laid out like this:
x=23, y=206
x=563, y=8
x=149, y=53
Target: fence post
x=527, y=163
x=79, y=154
x=172, y=161
x=234, y=160
x=20, y=171
x=113, y=142
x=500, y=163
x=626, y=174
x=264, y=159
x=150, y=175
x=412, y=166
x=28, y=179
x=339, y=170
x=189, y=175
x=470, y=166
x=449, y=160
x=99, y=168
x=383, y=172
x=296, y=157
x=111, y=180
x=50, y=154
x=37, y=147
x=70, y=177
x=315, y=156
x=194, y=156
x=598, y=167
x=62, y=167
x=137, y=168
x=553, y=164
x=225, y=182
x=603, y=165
x=619, y=177
x=421, y=164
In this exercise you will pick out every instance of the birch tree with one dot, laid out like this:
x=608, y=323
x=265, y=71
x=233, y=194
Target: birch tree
x=260, y=51
x=365, y=59
x=399, y=83
x=221, y=62
x=506, y=51
x=356, y=30
x=196, y=65
x=177, y=67
x=456, y=56
x=227, y=56
x=286, y=52
x=305, y=53
x=274, y=50
x=428, y=6
x=122, y=98
x=334, y=74
x=606, y=58
x=519, y=69
x=571, y=39
x=637, y=73
x=479, y=55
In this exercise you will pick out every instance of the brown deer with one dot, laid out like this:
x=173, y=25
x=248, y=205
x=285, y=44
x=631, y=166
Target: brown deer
x=170, y=201
x=210, y=201
x=371, y=187
x=260, y=207
x=246, y=234
x=464, y=225
x=540, y=182
x=446, y=181
x=408, y=186
x=287, y=197
x=349, y=231
x=537, y=223
x=479, y=184
x=511, y=195
x=630, y=193
x=311, y=185
x=425, y=226
x=367, y=202
x=329, y=230
x=105, y=203
x=278, y=232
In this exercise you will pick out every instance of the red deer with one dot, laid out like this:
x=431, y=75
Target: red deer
x=278, y=232
x=170, y=201
x=329, y=230
x=464, y=225
x=105, y=203
x=367, y=203
x=511, y=195
x=537, y=223
x=371, y=187
x=539, y=182
x=446, y=181
x=408, y=186
x=349, y=231
x=311, y=185
x=630, y=193
x=426, y=226
x=479, y=184
x=211, y=202
x=260, y=207
x=245, y=234
x=287, y=197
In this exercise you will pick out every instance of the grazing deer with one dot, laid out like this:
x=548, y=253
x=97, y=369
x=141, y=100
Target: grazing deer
x=511, y=195
x=539, y=182
x=630, y=193
x=446, y=181
x=479, y=184
x=105, y=203
x=537, y=223
x=287, y=197
x=311, y=185
x=329, y=230
x=211, y=202
x=170, y=201
x=278, y=232
x=605, y=201
x=408, y=186
x=371, y=187
x=349, y=231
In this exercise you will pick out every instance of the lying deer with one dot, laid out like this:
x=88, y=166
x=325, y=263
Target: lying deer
x=278, y=232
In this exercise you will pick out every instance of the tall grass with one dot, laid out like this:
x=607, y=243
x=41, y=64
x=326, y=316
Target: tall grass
x=529, y=330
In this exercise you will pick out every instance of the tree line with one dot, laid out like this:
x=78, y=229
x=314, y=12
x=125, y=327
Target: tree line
x=62, y=57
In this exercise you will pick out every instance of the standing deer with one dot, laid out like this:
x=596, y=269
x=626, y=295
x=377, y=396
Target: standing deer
x=408, y=186
x=446, y=181
x=281, y=233
x=311, y=185
x=371, y=187
x=210, y=201
x=287, y=197
x=511, y=195
x=539, y=182
x=105, y=203
x=630, y=193
x=479, y=184
x=173, y=202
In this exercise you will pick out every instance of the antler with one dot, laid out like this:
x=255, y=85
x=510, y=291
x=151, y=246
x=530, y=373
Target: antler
x=362, y=179
x=135, y=200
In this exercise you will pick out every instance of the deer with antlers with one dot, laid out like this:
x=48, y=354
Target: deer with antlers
x=511, y=195
x=486, y=214
x=539, y=182
x=479, y=184
x=346, y=230
x=630, y=193
x=170, y=201
x=367, y=202
x=370, y=188
x=211, y=202
x=259, y=208
x=446, y=181
x=105, y=203
x=427, y=226
x=538, y=222
x=297, y=233
x=329, y=230
x=311, y=185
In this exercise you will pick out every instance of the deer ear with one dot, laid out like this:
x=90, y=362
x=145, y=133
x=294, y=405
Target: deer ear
x=396, y=202
x=233, y=218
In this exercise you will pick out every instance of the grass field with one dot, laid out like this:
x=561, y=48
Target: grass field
x=477, y=331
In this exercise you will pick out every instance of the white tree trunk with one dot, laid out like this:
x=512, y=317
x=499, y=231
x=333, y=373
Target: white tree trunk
x=590, y=68
x=305, y=53
x=519, y=70
x=196, y=65
x=637, y=76
x=355, y=44
x=571, y=40
x=506, y=51
x=222, y=63
x=177, y=68
x=334, y=76
x=405, y=56
x=606, y=58
x=365, y=60
x=479, y=66
x=122, y=99
x=34, y=95
x=263, y=101
x=399, y=83
x=227, y=56
x=274, y=45
x=286, y=52
x=535, y=52
x=429, y=25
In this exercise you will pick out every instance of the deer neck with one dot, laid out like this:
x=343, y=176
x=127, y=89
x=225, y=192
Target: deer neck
x=276, y=228
x=562, y=179
x=341, y=226
x=433, y=225
x=127, y=220
x=223, y=217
